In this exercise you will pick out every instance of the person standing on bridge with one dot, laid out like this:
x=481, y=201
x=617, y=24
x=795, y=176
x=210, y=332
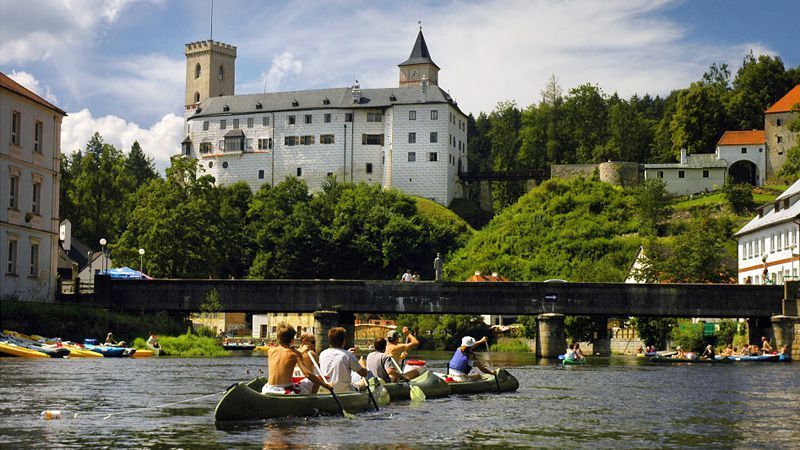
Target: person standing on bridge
x=437, y=267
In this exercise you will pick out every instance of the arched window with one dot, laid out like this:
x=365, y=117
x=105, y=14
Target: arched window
x=221, y=73
x=197, y=97
x=197, y=71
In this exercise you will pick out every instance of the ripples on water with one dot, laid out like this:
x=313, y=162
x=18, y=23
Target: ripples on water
x=618, y=402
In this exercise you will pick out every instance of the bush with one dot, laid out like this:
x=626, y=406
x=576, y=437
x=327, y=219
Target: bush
x=728, y=329
x=654, y=331
x=739, y=196
x=444, y=331
x=511, y=345
x=688, y=335
x=187, y=345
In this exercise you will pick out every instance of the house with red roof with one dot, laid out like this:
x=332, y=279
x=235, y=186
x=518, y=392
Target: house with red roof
x=776, y=129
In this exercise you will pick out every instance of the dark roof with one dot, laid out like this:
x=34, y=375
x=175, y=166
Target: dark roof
x=235, y=133
x=338, y=98
x=79, y=253
x=420, y=53
x=186, y=140
x=13, y=86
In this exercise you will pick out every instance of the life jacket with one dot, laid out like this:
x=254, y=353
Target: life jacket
x=460, y=361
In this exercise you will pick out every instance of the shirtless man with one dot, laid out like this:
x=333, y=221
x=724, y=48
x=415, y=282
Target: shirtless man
x=307, y=345
x=395, y=349
x=765, y=347
x=282, y=359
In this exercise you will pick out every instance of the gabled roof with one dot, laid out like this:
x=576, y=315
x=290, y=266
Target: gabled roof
x=792, y=190
x=13, y=86
x=753, y=137
x=420, y=53
x=695, y=161
x=771, y=216
x=786, y=103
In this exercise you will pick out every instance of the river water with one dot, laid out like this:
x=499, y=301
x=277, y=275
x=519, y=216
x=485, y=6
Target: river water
x=610, y=402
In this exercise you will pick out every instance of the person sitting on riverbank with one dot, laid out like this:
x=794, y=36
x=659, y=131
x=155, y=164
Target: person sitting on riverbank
x=307, y=349
x=765, y=347
x=395, y=349
x=380, y=363
x=282, y=360
x=459, y=367
x=708, y=353
x=338, y=363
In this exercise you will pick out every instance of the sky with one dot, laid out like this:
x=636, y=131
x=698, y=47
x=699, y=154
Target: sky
x=117, y=66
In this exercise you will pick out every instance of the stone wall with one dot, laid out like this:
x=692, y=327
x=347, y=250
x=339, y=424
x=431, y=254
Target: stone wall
x=566, y=171
x=618, y=173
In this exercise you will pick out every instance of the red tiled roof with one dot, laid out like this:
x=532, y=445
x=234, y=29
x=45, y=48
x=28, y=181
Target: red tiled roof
x=13, y=86
x=788, y=101
x=478, y=277
x=742, y=138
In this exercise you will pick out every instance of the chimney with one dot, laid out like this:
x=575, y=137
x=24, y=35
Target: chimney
x=683, y=156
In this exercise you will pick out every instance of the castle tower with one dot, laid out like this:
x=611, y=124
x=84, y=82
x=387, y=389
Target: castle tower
x=210, y=71
x=419, y=65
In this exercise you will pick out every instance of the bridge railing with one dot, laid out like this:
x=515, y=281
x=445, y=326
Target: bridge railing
x=508, y=175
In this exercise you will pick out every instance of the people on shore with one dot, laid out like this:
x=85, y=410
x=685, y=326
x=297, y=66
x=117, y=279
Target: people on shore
x=395, y=349
x=282, y=360
x=765, y=347
x=337, y=363
x=459, y=367
x=110, y=341
x=380, y=364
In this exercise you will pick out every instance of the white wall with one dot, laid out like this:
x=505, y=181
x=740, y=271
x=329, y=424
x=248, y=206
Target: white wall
x=754, y=153
x=775, y=243
x=693, y=181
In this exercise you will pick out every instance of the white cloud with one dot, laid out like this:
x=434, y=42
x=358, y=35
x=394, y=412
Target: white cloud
x=285, y=67
x=30, y=82
x=160, y=141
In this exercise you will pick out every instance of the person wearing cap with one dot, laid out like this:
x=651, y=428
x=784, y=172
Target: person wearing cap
x=395, y=349
x=459, y=367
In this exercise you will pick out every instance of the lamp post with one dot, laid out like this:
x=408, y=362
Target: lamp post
x=103, y=243
x=141, y=259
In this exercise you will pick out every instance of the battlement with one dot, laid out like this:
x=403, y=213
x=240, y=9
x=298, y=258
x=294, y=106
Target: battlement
x=216, y=46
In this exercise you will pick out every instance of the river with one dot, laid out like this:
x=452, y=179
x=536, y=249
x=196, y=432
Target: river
x=610, y=402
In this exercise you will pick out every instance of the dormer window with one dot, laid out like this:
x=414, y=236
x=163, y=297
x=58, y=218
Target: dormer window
x=197, y=97
x=326, y=101
x=392, y=98
x=226, y=108
x=295, y=103
x=259, y=105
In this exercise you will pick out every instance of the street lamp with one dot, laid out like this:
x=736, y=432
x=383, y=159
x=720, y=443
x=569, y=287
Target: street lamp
x=103, y=243
x=141, y=260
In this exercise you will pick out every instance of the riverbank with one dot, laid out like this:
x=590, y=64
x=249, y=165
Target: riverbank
x=186, y=345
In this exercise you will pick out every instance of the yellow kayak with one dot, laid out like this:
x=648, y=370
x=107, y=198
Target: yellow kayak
x=77, y=352
x=14, y=350
x=140, y=353
x=261, y=348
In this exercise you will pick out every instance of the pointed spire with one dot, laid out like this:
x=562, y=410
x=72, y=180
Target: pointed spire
x=419, y=54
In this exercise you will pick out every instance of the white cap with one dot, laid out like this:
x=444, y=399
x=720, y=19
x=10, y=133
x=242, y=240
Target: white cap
x=467, y=341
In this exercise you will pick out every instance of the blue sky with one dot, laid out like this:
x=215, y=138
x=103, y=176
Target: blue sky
x=117, y=66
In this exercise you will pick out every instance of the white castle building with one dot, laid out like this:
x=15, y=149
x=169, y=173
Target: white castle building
x=412, y=137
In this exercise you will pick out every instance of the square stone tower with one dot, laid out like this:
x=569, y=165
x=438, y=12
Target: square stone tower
x=210, y=71
x=419, y=65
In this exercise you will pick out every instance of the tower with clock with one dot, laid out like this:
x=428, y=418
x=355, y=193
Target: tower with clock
x=419, y=65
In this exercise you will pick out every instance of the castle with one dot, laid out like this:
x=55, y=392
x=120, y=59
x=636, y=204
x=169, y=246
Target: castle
x=412, y=137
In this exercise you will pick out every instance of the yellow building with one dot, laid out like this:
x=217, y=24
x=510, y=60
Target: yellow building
x=228, y=323
x=265, y=326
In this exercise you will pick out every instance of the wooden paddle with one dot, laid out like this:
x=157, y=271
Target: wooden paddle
x=335, y=398
x=415, y=392
x=491, y=364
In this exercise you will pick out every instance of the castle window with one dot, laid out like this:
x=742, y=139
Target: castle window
x=308, y=118
x=11, y=267
x=412, y=138
x=34, y=261
x=374, y=117
x=259, y=105
x=37, y=137
x=234, y=144
x=372, y=139
x=221, y=73
x=291, y=120
x=187, y=148
x=223, y=124
x=778, y=122
x=326, y=139
x=221, y=145
x=224, y=164
x=248, y=144
x=412, y=156
x=205, y=147
x=412, y=115
x=261, y=174
x=197, y=71
x=369, y=167
x=434, y=114
x=249, y=122
x=327, y=118
x=326, y=101
x=434, y=137
x=681, y=174
x=235, y=124
x=205, y=125
x=197, y=97
x=16, y=126
x=13, y=196
x=705, y=174
x=211, y=164
x=299, y=171
x=265, y=144
x=306, y=140
x=744, y=150
x=433, y=156
x=36, y=197
x=348, y=117
x=290, y=141
x=779, y=139
x=660, y=174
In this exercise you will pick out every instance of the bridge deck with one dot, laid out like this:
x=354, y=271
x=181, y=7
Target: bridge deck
x=390, y=297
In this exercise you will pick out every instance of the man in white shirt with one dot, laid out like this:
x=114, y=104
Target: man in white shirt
x=337, y=363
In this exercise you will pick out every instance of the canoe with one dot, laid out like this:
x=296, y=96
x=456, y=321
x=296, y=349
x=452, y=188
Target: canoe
x=755, y=358
x=143, y=354
x=245, y=402
x=573, y=362
x=646, y=355
x=10, y=349
x=156, y=350
x=486, y=384
x=77, y=352
x=244, y=347
x=431, y=385
x=110, y=351
x=671, y=360
x=53, y=352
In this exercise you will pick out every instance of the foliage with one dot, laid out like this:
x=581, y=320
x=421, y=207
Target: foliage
x=444, y=331
x=728, y=330
x=654, y=331
x=652, y=205
x=187, y=345
x=529, y=326
x=211, y=303
x=578, y=230
x=510, y=345
x=688, y=335
x=739, y=197
x=790, y=171
x=583, y=328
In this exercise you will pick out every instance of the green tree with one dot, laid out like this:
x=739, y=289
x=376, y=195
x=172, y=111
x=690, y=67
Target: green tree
x=739, y=197
x=654, y=331
x=444, y=331
x=551, y=110
x=688, y=335
x=584, y=328
x=586, y=118
x=758, y=84
x=700, y=117
x=652, y=206
x=139, y=166
x=504, y=136
x=630, y=135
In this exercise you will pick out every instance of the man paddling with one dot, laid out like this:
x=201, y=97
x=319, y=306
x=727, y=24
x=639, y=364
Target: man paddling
x=395, y=349
x=337, y=363
x=459, y=367
x=282, y=359
x=380, y=363
x=307, y=348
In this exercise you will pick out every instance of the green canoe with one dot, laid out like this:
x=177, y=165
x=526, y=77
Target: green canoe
x=430, y=384
x=573, y=362
x=244, y=401
x=487, y=384
x=670, y=360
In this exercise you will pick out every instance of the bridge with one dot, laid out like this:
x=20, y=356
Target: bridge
x=507, y=175
x=335, y=301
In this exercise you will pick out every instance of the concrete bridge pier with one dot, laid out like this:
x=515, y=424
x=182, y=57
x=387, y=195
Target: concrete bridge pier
x=758, y=327
x=325, y=320
x=602, y=343
x=785, y=329
x=550, y=338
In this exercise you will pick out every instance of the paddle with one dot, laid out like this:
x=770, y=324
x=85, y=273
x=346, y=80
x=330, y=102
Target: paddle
x=415, y=392
x=371, y=397
x=491, y=364
x=335, y=398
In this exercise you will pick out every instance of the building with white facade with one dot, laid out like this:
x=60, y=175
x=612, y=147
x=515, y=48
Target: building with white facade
x=702, y=172
x=412, y=137
x=30, y=156
x=746, y=156
x=768, y=244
